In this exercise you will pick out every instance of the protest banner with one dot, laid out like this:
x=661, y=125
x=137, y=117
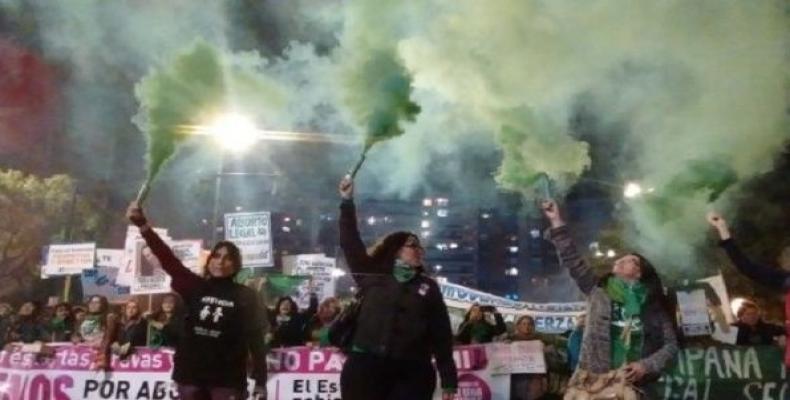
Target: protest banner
x=190, y=252
x=725, y=372
x=253, y=234
x=68, y=374
x=149, y=277
x=297, y=373
x=301, y=373
x=100, y=281
x=68, y=259
x=111, y=258
x=520, y=357
x=549, y=317
x=319, y=268
x=694, y=313
x=131, y=245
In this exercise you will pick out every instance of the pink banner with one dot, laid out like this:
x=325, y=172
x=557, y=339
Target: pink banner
x=66, y=357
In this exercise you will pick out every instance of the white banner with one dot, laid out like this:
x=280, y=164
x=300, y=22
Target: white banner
x=68, y=259
x=102, y=281
x=111, y=258
x=297, y=373
x=190, y=253
x=522, y=357
x=133, y=238
x=549, y=317
x=319, y=267
x=149, y=277
x=252, y=232
x=694, y=313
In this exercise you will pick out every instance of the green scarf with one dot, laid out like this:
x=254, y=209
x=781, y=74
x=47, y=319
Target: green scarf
x=57, y=325
x=402, y=272
x=626, y=341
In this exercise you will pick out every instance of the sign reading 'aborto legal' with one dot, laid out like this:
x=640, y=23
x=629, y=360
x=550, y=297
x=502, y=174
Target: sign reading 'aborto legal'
x=252, y=232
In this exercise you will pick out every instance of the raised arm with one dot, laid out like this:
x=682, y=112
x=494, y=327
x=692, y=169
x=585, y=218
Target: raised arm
x=184, y=281
x=569, y=256
x=766, y=275
x=359, y=261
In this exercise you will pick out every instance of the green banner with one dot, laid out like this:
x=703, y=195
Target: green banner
x=725, y=372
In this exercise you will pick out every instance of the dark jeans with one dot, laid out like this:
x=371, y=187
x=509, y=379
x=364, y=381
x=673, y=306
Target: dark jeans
x=191, y=392
x=367, y=377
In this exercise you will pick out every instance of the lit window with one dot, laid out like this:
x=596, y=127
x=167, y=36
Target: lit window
x=372, y=221
x=442, y=202
x=442, y=212
x=453, y=245
x=425, y=224
x=513, y=249
x=427, y=202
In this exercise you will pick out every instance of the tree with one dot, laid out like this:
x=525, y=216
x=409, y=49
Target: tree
x=35, y=212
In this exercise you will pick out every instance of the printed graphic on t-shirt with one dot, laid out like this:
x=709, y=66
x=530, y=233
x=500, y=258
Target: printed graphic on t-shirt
x=211, y=316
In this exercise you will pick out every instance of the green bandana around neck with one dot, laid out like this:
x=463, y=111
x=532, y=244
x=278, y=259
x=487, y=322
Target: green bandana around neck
x=403, y=272
x=632, y=295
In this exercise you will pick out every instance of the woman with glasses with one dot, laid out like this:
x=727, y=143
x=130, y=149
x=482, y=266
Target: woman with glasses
x=402, y=322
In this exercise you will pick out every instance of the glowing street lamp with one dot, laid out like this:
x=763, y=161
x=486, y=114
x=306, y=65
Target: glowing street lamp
x=632, y=190
x=234, y=132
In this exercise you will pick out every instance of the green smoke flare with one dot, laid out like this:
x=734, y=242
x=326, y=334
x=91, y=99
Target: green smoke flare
x=378, y=93
x=536, y=153
x=175, y=96
x=707, y=178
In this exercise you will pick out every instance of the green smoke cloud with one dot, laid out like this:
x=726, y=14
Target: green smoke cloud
x=377, y=87
x=533, y=149
x=198, y=84
x=176, y=96
x=379, y=95
x=671, y=84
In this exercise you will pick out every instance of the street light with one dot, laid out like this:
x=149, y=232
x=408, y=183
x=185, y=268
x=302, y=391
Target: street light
x=234, y=132
x=632, y=190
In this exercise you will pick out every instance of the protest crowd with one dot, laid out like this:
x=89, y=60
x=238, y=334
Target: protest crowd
x=630, y=326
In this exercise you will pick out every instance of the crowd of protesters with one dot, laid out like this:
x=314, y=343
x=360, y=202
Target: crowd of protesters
x=630, y=327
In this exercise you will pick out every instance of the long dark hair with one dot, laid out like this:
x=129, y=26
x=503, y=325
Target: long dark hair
x=386, y=249
x=233, y=252
x=651, y=280
x=283, y=299
x=104, y=309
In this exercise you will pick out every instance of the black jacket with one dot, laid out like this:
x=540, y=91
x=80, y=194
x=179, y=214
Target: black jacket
x=134, y=333
x=398, y=320
x=224, y=324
